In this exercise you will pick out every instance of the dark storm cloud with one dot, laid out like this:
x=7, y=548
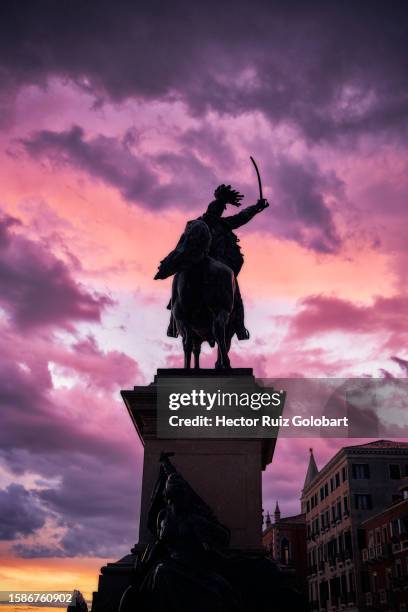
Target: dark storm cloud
x=98, y=509
x=136, y=176
x=301, y=210
x=20, y=512
x=37, y=289
x=328, y=67
x=92, y=461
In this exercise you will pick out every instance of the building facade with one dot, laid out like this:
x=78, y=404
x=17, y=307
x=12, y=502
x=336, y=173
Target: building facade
x=385, y=558
x=357, y=483
x=285, y=541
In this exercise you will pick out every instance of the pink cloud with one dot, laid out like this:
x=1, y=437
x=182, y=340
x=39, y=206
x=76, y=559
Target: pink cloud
x=321, y=314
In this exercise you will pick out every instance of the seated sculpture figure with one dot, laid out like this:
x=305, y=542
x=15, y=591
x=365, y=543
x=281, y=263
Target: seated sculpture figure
x=189, y=567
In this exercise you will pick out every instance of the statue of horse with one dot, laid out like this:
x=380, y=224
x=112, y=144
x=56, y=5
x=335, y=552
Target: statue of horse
x=203, y=292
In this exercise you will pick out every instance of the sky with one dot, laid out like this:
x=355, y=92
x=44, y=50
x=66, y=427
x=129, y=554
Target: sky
x=117, y=121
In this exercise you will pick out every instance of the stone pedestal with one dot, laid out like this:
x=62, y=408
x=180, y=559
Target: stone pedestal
x=225, y=473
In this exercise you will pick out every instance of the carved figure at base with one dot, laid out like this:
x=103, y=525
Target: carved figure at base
x=189, y=566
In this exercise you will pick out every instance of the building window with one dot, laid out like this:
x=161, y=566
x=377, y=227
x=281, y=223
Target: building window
x=361, y=471
x=321, y=493
x=395, y=472
x=331, y=485
x=345, y=504
x=385, y=534
x=337, y=479
x=374, y=581
x=308, y=506
x=363, y=501
x=344, y=474
x=285, y=551
x=326, y=489
x=347, y=542
x=395, y=528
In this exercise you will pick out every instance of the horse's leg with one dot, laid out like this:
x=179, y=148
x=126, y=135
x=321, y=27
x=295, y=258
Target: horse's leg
x=196, y=352
x=220, y=325
x=188, y=347
x=186, y=334
x=218, y=363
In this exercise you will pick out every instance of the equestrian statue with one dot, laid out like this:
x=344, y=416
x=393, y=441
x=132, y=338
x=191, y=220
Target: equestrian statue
x=206, y=303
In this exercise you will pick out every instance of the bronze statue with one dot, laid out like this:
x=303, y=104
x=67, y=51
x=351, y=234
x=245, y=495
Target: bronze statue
x=206, y=303
x=189, y=566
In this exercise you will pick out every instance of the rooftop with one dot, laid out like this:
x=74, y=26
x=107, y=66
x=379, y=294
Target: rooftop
x=297, y=518
x=313, y=475
x=379, y=444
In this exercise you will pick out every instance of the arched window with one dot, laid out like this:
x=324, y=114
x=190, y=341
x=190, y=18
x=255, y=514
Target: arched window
x=285, y=551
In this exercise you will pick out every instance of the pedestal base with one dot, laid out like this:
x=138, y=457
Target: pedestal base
x=225, y=473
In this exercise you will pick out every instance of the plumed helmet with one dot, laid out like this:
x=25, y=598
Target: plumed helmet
x=225, y=194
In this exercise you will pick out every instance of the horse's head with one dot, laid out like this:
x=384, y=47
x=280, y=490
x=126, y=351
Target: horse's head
x=193, y=247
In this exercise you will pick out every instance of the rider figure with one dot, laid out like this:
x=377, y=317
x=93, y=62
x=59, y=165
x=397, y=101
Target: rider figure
x=224, y=244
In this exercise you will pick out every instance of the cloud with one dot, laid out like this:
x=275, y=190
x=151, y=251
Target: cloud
x=329, y=69
x=80, y=436
x=20, y=511
x=403, y=364
x=104, y=370
x=37, y=289
x=138, y=177
x=302, y=200
x=321, y=314
x=76, y=434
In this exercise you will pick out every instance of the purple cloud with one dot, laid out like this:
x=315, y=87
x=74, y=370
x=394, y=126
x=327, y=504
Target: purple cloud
x=20, y=511
x=136, y=176
x=83, y=440
x=300, y=204
x=330, y=69
x=37, y=289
